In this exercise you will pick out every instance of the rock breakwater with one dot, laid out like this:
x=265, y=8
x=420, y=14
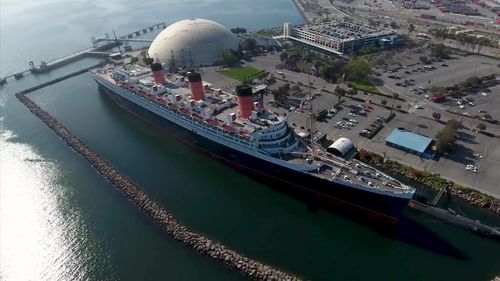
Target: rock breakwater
x=215, y=250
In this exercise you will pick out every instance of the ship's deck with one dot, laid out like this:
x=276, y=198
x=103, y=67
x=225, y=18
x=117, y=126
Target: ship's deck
x=221, y=103
x=330, y=167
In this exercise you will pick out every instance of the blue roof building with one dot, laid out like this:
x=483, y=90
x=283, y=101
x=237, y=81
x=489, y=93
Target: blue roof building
x=410, y=142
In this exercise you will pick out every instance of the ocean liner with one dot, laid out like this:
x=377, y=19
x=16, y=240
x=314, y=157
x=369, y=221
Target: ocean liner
x=240, y=131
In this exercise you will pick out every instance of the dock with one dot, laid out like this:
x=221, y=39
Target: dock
x=451, y=217
x=59, y=79
x=100, y=47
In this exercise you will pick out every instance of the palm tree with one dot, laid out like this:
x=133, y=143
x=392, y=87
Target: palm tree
x=471, y=42
x=461, y=39
x=481, y=42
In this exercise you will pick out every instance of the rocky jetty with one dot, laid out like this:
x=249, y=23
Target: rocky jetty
x=248, y=267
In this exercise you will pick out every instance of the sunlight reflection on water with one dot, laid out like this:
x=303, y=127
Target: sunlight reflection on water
x=40, y=233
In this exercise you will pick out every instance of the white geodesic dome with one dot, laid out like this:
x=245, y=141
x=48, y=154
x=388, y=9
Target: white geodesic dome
x=193, y=42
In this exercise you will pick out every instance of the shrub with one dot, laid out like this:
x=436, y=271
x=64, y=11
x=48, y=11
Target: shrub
x=365, y=155
x=416, y=173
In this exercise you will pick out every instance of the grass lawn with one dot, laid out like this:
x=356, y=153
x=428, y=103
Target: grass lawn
x=364, y=86
x=242, y=73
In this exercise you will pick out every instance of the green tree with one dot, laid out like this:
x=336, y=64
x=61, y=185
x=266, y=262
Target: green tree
x=481, y=126
x=147, y=60
x=424, y=59
x=283, y=56
x=441, y=34
x=483, y=41
x=411, y=28
x=249, y=44
x=358, y=70
x=436, y=115
x=281, y=93
x=295, y=88
x=228, y=58
x=383, y=102
x=454, y=124
x=395, y=96
x=134, y=60
x=238, y=30
x=394, y=25
x=440, y=51
x=328, y=73
x=352, y=92
x=436, y=91
x=339, y=92
x=445, y=139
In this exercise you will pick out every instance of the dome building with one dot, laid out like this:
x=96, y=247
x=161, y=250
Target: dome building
x=341, y=147
x=193, y=42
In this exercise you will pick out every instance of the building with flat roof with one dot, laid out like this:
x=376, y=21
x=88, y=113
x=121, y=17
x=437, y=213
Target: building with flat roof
x=411, y=142
x=340, y=37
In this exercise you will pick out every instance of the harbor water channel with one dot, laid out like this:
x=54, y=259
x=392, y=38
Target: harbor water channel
x=59, y=220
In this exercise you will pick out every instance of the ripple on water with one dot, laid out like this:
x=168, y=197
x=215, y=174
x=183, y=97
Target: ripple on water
x=42, y=237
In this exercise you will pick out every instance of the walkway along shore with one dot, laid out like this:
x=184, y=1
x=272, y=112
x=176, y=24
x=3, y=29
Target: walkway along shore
x=218, y=252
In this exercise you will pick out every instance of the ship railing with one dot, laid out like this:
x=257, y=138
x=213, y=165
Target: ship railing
x=227, y=134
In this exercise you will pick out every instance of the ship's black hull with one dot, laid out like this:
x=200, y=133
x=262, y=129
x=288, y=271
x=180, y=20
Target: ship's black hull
x=316, y=192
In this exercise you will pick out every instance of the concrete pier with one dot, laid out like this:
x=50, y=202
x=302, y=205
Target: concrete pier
x=457, y=220
x=134, y=194
x=48, y=83
x=98, y=45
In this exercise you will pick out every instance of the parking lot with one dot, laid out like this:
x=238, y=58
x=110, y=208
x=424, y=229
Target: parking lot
x=472, y=148
x=444, y=73
x=348, y=120
x=477, y=102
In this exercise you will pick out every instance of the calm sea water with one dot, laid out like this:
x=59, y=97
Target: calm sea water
x=60, y=221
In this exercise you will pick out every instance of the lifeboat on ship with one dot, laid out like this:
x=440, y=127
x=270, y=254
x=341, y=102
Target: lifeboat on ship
x=197, y=116
x=229, y=128
x=184, y=111
x=244, y=134
x=212, y=122
x=161, y=101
